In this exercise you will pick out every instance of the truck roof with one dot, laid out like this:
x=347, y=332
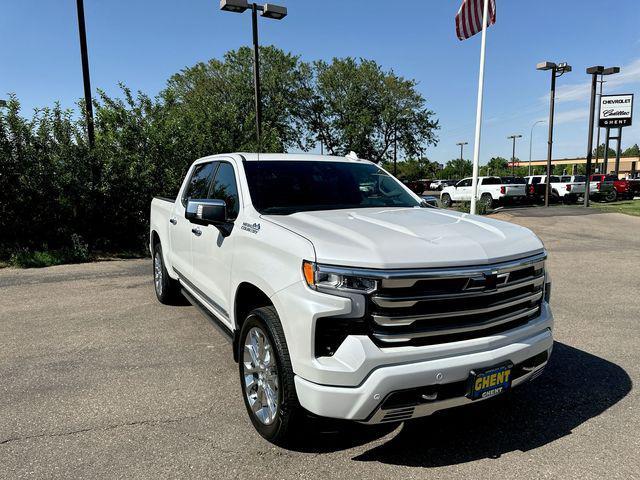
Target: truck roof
x=252, y=157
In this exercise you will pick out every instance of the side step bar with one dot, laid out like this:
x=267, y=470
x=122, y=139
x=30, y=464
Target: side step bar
x=222, y=328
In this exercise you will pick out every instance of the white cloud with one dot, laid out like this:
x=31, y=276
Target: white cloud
x=569, y=116
x=629, y=75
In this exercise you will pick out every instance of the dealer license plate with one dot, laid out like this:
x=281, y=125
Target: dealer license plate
x=488, y=382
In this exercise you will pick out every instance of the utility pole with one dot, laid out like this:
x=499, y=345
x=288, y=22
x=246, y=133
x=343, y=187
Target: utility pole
x=594, y=72
x=85, y=75
x=557, y=70
x=601, y=81
x=268, y=10
x=461, y=145
x=513, y=155
x=531, y=142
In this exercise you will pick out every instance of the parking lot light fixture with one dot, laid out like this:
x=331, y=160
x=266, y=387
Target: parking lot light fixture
x=234, y=6
x=557, y=70
x=268, y=10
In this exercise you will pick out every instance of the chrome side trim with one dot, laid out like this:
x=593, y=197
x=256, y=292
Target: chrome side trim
x=408, y=336
x=388, y=321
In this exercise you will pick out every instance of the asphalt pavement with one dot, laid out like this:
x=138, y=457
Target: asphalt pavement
x=99, y=380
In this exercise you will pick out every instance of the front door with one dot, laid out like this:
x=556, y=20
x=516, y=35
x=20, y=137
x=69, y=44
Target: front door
x=463, y=190
x=212, y=251
x=180, y=228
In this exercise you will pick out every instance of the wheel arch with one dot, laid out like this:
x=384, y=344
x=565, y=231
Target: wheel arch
x=247, y=298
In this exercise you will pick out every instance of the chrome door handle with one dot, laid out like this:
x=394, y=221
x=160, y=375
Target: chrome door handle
x=196, y=231
x=173, y=221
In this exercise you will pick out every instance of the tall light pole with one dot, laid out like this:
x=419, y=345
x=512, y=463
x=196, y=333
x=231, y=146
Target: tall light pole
x=268, y=10
x=531, y=142
x=461, y=145
x=601, y=81
x=85, y=75
x=513, y=155
x=556, y=71
x=594, y=72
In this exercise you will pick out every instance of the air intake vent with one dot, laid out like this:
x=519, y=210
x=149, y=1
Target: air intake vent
x=398, y=414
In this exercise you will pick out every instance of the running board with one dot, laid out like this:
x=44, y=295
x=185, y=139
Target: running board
x=221, y=327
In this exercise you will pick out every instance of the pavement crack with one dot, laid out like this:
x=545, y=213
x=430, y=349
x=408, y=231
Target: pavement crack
x=106, y=428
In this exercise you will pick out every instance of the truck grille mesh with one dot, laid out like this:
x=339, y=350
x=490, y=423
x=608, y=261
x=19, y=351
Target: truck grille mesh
x=425, y=307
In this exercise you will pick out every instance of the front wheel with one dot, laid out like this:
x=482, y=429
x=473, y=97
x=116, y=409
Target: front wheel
x=445, y=200
x=266, y=376
x=611, y=196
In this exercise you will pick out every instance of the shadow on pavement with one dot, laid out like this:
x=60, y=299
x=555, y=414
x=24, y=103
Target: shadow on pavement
x=575, y=387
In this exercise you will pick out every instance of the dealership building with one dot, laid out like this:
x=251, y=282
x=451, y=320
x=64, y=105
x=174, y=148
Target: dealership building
x=628, y=165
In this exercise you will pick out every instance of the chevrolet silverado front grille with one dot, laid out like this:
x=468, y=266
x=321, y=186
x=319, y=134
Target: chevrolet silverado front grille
x=429, y=306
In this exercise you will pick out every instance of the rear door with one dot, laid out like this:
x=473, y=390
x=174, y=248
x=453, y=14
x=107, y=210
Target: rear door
x=212, y=251
x=180, y=228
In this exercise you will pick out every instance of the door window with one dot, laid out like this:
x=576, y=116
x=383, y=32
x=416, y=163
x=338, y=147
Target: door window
x=224, y=187
x=199, y=182
x=464, y=183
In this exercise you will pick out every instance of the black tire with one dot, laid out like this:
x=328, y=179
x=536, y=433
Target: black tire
x=167, y=289
x=487, y=199
x=611, y=196
x=445, y=200
x=288, y=415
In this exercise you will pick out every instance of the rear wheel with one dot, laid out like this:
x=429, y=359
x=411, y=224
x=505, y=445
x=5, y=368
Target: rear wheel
x=487, y=200
x=167, y=289
x=445, y=200
x=266, y=376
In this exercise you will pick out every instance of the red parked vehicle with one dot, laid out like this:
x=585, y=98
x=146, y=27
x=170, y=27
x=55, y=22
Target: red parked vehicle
x=624, y=188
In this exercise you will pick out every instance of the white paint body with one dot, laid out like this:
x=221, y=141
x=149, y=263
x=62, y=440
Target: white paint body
x=344, y=385
x=463, y=190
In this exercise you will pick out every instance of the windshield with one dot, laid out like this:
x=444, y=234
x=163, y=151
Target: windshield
x=285, y=187
x=579, y=178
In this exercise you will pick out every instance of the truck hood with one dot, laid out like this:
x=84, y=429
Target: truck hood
x=408, y=237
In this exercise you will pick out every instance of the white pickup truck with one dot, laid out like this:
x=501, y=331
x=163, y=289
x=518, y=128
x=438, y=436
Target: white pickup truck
x=344, y=295
x=491, y=190
x=565, y=188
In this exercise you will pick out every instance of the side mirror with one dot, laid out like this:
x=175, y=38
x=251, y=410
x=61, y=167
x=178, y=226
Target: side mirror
x=206, y=212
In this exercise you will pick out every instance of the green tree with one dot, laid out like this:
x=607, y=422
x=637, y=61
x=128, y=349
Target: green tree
x=414, y=169
x=632, y=151
x=356, y=105
x=600, y=151
x=457, y=169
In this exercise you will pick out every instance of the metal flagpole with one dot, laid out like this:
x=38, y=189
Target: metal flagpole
x=476, y=142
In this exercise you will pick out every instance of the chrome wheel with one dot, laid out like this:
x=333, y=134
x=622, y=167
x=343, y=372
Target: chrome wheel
x=157, y=272
x=260, y=376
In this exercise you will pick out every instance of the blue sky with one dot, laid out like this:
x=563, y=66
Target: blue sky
x=141, y=43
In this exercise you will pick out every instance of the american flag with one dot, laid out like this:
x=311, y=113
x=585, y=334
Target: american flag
x=469, y=17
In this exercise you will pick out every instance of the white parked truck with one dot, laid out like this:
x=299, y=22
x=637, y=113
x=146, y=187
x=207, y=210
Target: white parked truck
x=344, y=295
x=491, y=191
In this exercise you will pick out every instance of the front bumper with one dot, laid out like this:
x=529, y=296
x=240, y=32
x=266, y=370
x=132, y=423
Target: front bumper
x=364, y=402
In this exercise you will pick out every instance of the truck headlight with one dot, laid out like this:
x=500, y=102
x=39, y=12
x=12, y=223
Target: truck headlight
x=547, y=286
x=328, y=278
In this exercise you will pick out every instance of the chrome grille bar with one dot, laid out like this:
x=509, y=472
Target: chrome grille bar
x=460, y=328
x=389, y=321
x=388, y=301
